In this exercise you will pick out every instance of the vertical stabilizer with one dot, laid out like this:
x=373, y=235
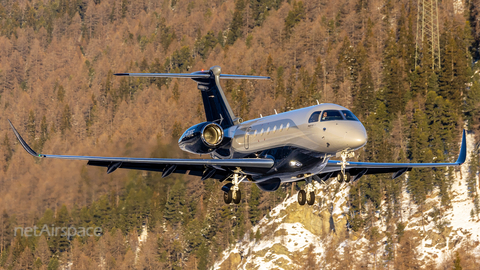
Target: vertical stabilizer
x=215, y=103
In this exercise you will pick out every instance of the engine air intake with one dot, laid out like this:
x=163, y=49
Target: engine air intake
x=212, y=134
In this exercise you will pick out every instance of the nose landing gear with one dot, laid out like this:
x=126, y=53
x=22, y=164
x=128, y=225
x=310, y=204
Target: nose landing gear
x=344, y=176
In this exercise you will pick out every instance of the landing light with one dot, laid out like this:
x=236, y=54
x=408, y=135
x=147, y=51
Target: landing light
x=295, y=164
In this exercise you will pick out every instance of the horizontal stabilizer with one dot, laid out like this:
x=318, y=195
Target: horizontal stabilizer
x=200, y=75
x=167, y=75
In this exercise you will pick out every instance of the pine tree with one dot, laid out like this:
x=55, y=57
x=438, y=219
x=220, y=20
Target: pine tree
x=7, y=150
x=253, y=203
x=236, y=26
x=61, y=243
x=472, y=176
x=43, y=133
x=31, y=130
x=365, y=97
x=456, y=262
x=175, y=206
x=472, y=105
x=420, y=182
x=175, y=92
x=65, y=121
x=280, y=83
x=295, y=15
x=394, y=91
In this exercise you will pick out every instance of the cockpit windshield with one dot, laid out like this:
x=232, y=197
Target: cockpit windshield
x=330, y=115
x=349, y=115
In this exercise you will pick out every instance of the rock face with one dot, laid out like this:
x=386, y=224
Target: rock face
x=288, y=233
x=296, y=237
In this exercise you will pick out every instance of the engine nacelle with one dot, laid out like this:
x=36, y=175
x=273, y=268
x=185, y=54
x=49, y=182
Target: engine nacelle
x=202, y=138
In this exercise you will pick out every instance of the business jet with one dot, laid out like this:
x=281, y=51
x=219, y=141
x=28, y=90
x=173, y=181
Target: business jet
x=267, y=151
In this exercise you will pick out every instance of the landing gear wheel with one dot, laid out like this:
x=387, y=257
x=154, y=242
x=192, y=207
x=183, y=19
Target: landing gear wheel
x=340, y=177
x=311, y=198
x=302, y=196
x=238, y=197
x=227, y=197
x=347, y=177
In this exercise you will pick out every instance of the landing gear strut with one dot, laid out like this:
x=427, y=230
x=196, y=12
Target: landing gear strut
x=234, y=194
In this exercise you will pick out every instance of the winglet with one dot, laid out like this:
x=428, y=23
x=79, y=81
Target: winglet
x=23, y=143
x=463, y=150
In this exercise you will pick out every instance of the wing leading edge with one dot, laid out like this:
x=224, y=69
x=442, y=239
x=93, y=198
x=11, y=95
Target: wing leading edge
x=398, y=169
x=214, y=168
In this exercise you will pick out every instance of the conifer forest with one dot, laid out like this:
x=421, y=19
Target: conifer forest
x=57, y=60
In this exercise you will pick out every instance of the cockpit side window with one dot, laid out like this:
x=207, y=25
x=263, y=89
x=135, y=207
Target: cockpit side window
x=330, y=115
x=314, y=117
x=349, y=115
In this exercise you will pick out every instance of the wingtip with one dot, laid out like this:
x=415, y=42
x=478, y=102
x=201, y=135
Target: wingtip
x=462, y=156
x=121, y=74
x=22, y=141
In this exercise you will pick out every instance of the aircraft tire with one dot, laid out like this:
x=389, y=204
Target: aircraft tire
x=348, y=177
x=301, y=197
x=227, y=197
x=238, y=197
x=311, y=199
x=340, y=177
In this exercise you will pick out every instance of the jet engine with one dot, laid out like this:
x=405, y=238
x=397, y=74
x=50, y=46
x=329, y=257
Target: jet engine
x=202, y=138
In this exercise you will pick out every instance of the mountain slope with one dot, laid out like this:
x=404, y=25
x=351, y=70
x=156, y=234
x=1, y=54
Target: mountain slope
x=293, y=236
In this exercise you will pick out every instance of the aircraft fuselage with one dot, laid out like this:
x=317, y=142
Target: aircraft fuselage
x=300, y=141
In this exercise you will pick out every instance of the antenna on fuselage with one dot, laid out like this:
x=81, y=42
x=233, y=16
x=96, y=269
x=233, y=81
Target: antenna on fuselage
x=275, y=111
x=261, y=116
x=318, y=103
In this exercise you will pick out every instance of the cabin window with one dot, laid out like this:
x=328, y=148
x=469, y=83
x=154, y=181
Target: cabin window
x=261, y=132
x=331, y=115
x=314, y=117
x=287, y=126
x=255, y=133
x=280, y=128
x=349, y=115
x=274, y=128
x=268, y=131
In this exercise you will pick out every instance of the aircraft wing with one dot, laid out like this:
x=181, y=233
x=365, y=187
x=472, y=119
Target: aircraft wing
x=362, y=168
x=207, y=168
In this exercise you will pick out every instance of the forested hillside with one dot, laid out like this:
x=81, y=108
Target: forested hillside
x=57, y=60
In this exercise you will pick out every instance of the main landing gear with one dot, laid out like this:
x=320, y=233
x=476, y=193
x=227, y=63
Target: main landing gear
x=234, y=194
x=307, y=195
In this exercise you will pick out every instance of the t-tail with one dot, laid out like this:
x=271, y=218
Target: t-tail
x=215, y=103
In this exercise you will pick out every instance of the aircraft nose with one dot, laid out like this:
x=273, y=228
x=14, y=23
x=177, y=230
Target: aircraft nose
x=356, y=138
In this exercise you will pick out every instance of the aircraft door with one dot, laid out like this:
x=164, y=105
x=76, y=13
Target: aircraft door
x=246, y=142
